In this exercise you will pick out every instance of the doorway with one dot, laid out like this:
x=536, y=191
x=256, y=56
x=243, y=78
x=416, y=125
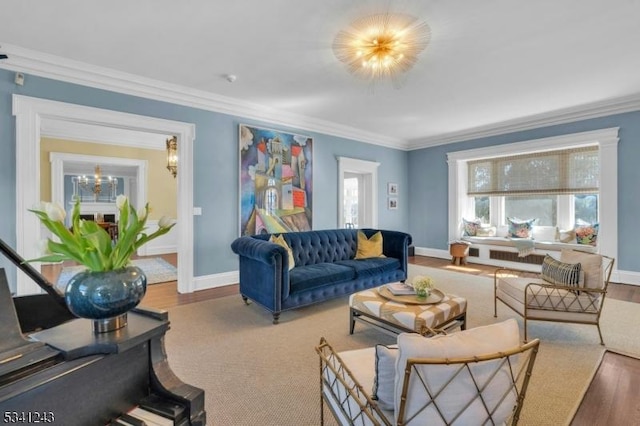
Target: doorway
x=35, y=117
x=357, y=193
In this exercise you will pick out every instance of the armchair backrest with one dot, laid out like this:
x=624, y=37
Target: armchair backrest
x=597, y=267
x=488, y=389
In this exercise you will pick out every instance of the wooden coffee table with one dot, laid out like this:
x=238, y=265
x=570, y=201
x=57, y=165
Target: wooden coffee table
x=398, y=314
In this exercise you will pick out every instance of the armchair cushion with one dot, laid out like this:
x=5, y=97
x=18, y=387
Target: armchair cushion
x=385, y=376
x=461, y=391
x=549, y=300
x=591, y=265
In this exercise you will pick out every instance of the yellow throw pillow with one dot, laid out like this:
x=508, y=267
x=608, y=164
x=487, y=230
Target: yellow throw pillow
x=369, y=247
x=279, y=240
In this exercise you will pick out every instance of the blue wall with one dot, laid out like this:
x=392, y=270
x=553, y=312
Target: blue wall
x=215, y=167
x=428, y=182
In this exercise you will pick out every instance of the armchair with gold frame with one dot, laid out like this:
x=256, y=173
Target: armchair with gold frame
x=483, y=379
x=536, y=299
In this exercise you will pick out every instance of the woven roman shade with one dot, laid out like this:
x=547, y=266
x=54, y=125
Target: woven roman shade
x=569, y=171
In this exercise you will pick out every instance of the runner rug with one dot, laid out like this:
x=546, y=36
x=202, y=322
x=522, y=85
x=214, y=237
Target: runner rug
x=156, y=269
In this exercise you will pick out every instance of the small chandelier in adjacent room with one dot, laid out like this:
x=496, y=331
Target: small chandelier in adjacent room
x=172, y=155
x=98, y=185
x=382, y=46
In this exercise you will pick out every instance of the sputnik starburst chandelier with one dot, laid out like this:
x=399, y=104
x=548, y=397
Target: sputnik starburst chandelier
x=382, y=46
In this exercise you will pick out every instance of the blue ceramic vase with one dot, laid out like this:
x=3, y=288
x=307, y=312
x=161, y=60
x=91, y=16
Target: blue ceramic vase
x=102, y=295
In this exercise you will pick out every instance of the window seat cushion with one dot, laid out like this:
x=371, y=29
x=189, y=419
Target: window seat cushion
x=540, y=245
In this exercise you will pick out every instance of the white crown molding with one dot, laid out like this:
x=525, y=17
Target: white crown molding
x=551, y=118
x=58, y=68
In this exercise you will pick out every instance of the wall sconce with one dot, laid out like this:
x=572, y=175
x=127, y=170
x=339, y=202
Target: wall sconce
x=172, y=155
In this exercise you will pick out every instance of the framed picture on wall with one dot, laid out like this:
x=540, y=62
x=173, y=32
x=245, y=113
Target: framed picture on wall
x=392, y=203
x=392, y=188
x=275, y=181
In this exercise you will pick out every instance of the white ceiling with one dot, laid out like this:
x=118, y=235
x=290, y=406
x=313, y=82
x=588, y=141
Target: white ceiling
x=491, y=66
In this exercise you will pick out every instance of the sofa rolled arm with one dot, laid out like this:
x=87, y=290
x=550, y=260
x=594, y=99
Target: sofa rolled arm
x=396, y=244
x=260, y=250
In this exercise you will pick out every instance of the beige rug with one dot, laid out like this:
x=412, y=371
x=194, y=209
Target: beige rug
x=255, y=373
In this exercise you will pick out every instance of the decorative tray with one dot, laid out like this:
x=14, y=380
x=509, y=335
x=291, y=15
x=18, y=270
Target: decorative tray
x=436, y=296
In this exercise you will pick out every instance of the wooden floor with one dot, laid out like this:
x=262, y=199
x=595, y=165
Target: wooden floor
x=613, y=397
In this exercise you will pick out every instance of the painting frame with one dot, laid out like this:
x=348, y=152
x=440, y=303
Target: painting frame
x=392, y=188
x=392, y=203
x=275, y=181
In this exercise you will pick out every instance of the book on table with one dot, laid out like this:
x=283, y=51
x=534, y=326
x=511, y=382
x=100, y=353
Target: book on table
x=401, y=289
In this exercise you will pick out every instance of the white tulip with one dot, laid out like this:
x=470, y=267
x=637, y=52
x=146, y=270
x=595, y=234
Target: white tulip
x=165, y=222
x=55, y=212
x=120, y=201
x=142, y=213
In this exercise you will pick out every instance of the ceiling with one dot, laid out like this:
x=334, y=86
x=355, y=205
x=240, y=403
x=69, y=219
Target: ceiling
x=491, y=66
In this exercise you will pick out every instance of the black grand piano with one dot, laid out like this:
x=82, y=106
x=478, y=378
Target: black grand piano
x=55, y=370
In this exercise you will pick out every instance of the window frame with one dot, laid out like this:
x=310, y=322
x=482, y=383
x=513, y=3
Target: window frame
x=461, y=205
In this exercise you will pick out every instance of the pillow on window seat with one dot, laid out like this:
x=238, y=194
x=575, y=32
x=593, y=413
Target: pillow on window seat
x=520, y=228
x=587, y=234
x=470, y=227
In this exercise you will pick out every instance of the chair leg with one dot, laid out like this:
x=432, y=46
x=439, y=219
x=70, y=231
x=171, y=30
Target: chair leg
x=600, y=334
x=525, y=329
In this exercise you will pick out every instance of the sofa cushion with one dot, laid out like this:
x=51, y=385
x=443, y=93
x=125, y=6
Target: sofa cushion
x=371, y=267
x=310, y=276
x=369, y=247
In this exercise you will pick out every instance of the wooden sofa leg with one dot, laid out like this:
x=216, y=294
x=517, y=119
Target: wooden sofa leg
x=276, y=317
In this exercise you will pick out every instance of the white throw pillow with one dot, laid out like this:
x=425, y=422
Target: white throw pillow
x=477, y=341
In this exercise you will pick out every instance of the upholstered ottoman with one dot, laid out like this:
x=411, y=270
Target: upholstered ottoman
x=370, y=306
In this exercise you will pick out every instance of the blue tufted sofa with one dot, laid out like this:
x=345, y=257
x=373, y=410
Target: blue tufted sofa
x=324, y=267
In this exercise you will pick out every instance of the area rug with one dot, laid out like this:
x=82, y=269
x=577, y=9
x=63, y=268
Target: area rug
x=254, y=372
x=156, y=269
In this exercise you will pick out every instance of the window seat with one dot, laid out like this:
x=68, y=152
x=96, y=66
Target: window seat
x=501, y=252
x=541, y=245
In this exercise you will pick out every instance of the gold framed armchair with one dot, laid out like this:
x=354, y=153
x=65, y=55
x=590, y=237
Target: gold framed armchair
x=557, y=295
x=483, y=379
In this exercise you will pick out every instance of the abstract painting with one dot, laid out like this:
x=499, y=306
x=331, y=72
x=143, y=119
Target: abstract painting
x=275, y=181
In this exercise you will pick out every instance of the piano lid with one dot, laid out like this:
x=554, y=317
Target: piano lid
x=18, y=355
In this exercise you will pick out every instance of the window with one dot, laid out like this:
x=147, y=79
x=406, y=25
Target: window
x=542, y=207
x=586, y=208
x=471, y=189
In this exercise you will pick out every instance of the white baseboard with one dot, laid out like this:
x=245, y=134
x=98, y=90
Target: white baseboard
x=232, y=277
x=617, y=276
x=216, y=280
x=156, y=250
